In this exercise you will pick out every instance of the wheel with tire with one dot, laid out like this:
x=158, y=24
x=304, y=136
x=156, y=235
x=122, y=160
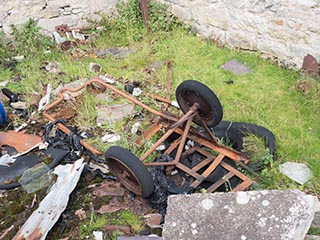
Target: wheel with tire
x=190, y=92
x=130, y=171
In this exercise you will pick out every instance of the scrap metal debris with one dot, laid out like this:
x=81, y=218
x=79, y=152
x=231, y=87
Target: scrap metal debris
x=94, y=67
x=154, y=220
x=22, y=142
x=108, y=188
x=107, y=79
x=68, y=94
x=18, y=167
x=19, y=105
x=20, y=164
x=310, y=66
x=67, y=45
x=45, y=100
x=110, y=138
x=51, y=207
x=124, y=229
x=111, y=208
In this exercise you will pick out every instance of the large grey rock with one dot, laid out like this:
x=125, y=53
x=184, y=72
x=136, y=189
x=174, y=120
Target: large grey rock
x=263, y=215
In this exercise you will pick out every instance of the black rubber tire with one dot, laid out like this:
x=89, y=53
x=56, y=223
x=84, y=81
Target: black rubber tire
x=238, y=130
x=190, y=92
x=139, y=181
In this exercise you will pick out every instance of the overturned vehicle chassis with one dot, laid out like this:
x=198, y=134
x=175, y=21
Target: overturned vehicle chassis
x=202, y=111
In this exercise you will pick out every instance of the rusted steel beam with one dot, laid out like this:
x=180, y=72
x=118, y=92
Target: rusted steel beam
x=169, y=79
x=157, y=144
x=209, y=170
x=149, y=133
x=108, y=86
x=144, y=11
x=243, y=186
x=67, y=131
x=183, y=141
x=112, y=88
x=189, y=171
x=231, y=153
x=221, y=181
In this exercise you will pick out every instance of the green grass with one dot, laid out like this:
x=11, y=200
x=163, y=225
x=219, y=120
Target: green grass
x=96, y=222
x=265, y=97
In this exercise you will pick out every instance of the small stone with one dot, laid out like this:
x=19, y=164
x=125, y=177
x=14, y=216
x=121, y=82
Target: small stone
x=98, y=235
x=81, y=214
x=298, y=172
x=136, y=92
x=153, y=220
x=236, y=67
x=94, y=67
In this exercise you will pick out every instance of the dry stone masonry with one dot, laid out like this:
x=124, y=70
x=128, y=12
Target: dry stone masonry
x=50, y=13
x=285, y=29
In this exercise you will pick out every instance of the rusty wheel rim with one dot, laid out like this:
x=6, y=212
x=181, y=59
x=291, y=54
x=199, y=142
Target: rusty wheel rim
x=125, y=176
x=188, y=98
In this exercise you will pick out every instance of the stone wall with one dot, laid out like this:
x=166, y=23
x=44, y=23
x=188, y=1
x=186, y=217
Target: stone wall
x=286, y=29
x=50, y=13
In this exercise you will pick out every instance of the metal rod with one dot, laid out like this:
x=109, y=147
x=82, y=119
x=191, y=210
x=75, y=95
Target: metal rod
x=183, y=141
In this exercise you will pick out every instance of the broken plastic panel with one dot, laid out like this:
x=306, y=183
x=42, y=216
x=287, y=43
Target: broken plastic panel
x=36, y=178
x=50, y=208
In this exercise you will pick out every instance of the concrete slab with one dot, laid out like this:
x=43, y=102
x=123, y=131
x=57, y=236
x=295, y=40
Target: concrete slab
x=263, y=215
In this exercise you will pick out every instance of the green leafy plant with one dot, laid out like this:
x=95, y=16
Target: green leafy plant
x=28, y=39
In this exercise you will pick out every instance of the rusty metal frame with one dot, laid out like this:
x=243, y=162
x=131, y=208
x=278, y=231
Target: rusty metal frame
x=178, y=124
